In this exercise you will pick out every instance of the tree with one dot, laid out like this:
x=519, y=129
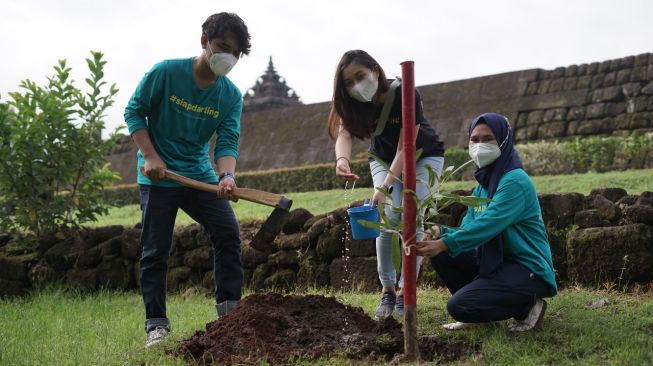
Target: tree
x=52, y=170
x=427, y=209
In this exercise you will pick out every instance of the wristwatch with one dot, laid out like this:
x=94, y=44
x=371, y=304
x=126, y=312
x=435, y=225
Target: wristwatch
x=388, y=187
x=226, y=174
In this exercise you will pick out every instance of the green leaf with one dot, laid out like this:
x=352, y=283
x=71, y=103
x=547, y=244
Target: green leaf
x=369, y=224
x=396, y=253
x=384, y=192
x=380, y=161
x=432, y=175
x=418, y=154
x=471, y=201
x=450, y=172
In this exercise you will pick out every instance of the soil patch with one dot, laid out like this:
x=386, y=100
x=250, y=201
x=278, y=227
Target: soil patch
x=278, y=329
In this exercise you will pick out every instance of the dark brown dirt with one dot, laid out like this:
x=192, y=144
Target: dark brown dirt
x=278, y=329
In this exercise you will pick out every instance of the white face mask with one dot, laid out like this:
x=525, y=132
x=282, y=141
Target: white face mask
x=221, y=63
x=364, y=90
x=484, y=154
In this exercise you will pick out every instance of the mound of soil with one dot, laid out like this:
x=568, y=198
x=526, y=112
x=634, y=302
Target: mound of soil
x=277, y=329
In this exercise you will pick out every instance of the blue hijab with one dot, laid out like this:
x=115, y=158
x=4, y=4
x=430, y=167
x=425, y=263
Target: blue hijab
x=490, y=254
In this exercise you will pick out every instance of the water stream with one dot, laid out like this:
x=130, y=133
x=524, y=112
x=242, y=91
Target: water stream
x=345, y=284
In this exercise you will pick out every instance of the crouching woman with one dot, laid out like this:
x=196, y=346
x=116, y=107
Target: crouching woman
x=497, y=264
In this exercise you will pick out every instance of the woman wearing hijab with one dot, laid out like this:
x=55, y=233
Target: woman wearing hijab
x=497, y=264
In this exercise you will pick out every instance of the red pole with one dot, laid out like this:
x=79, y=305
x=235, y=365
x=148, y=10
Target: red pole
x=410, y=208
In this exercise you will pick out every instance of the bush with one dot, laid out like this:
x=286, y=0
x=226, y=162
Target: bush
x=122, y=195
x=580, y=155
x=635, y=151
x=52, y=172
x=457, y=156
x=592, y=153
x=539, y=158
x=318, y=177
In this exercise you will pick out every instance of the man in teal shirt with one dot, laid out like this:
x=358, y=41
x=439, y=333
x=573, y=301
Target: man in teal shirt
x=171, y=116
x=498, y=263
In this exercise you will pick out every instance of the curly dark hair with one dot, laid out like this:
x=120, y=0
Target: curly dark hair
x=218, y=24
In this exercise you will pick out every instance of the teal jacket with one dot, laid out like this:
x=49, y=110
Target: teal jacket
x=181, y=118
x=515, y=212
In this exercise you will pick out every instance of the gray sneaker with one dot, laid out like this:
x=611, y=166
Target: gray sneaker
x=224, y=307
x=533, y=319
x=399, y=306
x=155, y=336
x=386, y=306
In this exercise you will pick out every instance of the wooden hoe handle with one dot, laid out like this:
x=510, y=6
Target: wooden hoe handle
x=248, y=194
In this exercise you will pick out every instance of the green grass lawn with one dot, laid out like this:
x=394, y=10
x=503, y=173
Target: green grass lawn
x=58, y=328
x=633, y=181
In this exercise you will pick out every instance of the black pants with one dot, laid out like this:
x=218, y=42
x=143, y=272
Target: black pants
x=510, y=293
x=159, y=206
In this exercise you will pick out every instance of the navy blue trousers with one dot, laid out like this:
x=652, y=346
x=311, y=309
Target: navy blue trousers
x=510, y=293
x=159, y=206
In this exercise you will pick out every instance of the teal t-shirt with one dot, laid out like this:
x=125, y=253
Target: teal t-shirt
x=515, y=212
x=180, y=118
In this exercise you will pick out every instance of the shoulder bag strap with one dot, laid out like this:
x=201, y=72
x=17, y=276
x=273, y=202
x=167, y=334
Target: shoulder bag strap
x=387, y=105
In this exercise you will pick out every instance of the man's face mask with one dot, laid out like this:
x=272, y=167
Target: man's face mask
x=221, y=63
x=364, y=90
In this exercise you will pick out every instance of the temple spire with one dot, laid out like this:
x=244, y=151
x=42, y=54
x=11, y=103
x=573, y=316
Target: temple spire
x=270, y=91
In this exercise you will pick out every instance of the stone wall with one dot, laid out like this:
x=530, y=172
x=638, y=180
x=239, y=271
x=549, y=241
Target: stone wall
x=609, y=97
x=600, y=98
x=606, y=237
x=123, y=160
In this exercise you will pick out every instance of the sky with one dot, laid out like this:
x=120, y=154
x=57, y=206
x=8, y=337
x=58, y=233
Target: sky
x=447, y=40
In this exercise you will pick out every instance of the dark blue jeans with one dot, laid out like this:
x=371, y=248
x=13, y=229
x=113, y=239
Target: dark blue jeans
x=510, y=293
x=159, y=206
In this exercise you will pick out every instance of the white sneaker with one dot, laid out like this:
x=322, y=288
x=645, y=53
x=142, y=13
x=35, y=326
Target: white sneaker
x=155, y=336
x=457, y=325
x=533, y=319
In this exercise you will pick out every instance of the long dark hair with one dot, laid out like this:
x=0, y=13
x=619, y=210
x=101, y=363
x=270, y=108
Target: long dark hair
x=357, y=118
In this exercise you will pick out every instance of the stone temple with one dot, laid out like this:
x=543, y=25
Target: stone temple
x=270, y=91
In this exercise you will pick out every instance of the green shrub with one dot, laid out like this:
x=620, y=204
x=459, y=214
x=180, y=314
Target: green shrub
x=457, y=156
x=592, y=153
x=539, y=158
x=52, y=171
x=635, y=151
x=585, y=154
x=122, y=195
x=318, y=177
